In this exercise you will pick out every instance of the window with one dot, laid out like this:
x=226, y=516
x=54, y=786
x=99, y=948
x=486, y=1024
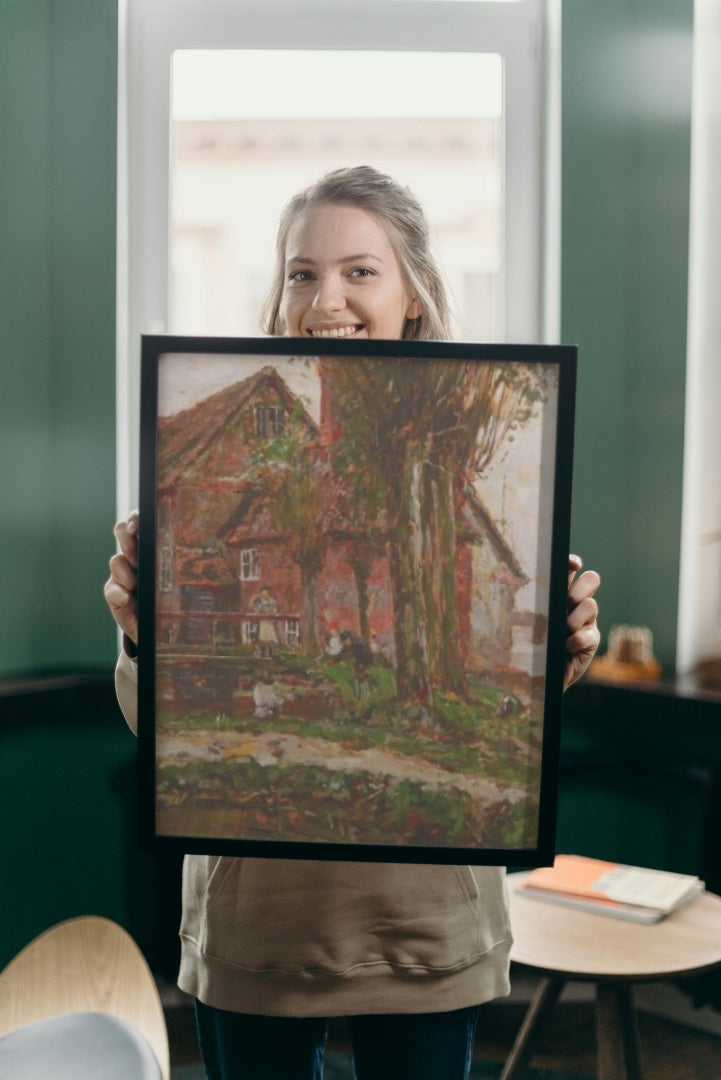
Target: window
x=292, y=632
x=250, y=564
x=269, y=420
x=249, y=632
x=200, y=190
x=445, y=137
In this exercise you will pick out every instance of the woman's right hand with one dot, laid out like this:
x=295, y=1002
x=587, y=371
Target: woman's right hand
x=121, y=587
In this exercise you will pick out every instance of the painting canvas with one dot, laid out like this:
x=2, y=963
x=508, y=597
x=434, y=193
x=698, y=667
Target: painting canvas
x=353, y=563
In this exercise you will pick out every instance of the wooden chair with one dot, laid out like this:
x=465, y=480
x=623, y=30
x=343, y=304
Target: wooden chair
x=70, y=981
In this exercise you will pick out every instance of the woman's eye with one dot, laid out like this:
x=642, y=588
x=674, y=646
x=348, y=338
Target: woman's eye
x=362, y=272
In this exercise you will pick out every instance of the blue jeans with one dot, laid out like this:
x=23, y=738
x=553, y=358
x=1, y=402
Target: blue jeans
x=416, y=1046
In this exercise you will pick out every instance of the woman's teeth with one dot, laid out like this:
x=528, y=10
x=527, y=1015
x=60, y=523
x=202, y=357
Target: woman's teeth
x=337, y=331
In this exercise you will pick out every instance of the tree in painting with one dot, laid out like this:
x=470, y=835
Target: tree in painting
x=424, y=432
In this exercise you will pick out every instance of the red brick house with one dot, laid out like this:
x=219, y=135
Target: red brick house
x=226, y=568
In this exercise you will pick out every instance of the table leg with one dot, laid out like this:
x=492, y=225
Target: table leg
x=617, y=1033
x=545, y=997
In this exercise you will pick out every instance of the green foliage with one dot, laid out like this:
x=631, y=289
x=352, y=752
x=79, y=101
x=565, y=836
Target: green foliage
x=314, y=803
x=464, y=735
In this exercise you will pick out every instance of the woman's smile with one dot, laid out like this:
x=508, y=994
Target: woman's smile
x=335, y=331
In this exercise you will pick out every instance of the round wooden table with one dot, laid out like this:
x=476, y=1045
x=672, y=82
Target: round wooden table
x=563, y=944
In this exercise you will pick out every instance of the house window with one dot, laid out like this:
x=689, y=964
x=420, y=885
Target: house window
x=269, y=420
x=249, y=632
x=250, y=564
x=292, y=632
x=165, y=569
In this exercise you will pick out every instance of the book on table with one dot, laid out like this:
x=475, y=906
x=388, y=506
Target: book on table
x=609, y=888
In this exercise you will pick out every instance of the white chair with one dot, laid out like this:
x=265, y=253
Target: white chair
x=80, y=1002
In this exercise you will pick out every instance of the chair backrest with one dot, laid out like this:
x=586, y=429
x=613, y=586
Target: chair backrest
x=87, y=964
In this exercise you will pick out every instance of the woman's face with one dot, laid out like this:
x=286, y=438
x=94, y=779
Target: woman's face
x=342, y=277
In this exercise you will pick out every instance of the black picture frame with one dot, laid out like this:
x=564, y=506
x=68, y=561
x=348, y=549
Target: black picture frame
x=353, y=572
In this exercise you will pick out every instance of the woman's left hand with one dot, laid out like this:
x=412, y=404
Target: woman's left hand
x=583, y=635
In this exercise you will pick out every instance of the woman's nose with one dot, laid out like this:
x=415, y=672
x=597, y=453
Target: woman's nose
x=329, y=296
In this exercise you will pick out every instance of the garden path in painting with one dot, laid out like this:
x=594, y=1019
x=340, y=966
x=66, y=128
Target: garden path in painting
x=368, y=771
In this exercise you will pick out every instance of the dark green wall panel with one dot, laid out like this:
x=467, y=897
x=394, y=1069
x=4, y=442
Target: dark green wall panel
x=626, y=145
x=58, y=80
x=68, y=801
x=26, y=482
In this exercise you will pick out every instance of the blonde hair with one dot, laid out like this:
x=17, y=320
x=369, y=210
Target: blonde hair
x=403, y=217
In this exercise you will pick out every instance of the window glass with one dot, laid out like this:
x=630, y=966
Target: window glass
x=237, y=157
x=249, y=564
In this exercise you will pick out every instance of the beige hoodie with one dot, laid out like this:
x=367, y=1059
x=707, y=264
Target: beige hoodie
x=285, y=937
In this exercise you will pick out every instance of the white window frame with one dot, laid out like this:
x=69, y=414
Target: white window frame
x=250, y=561
x=268, y=421
x=526, y=34
x=699, y=597
x=292, y=632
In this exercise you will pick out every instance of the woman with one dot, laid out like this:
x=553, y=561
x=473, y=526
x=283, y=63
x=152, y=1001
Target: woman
x=271, y=948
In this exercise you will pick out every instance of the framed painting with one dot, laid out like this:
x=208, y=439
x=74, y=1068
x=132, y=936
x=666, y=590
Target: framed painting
x=352, y=597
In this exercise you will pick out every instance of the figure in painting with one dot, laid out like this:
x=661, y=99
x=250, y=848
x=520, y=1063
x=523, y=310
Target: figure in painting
x=266, y=697
x=266, y=606
x=334, y=644
x=360, y=655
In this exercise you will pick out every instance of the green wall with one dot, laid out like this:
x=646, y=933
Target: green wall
x=58, y=73
x=626, y=145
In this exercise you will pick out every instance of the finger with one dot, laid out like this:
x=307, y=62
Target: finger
x=122, y=571
x=575, y=562
x=586, y=640
x=122, y=607
x=126, y=534
x=119, y=599
x=584, y=613
x=585, y=585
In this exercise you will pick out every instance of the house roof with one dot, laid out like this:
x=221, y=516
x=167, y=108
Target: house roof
x=185, y=436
